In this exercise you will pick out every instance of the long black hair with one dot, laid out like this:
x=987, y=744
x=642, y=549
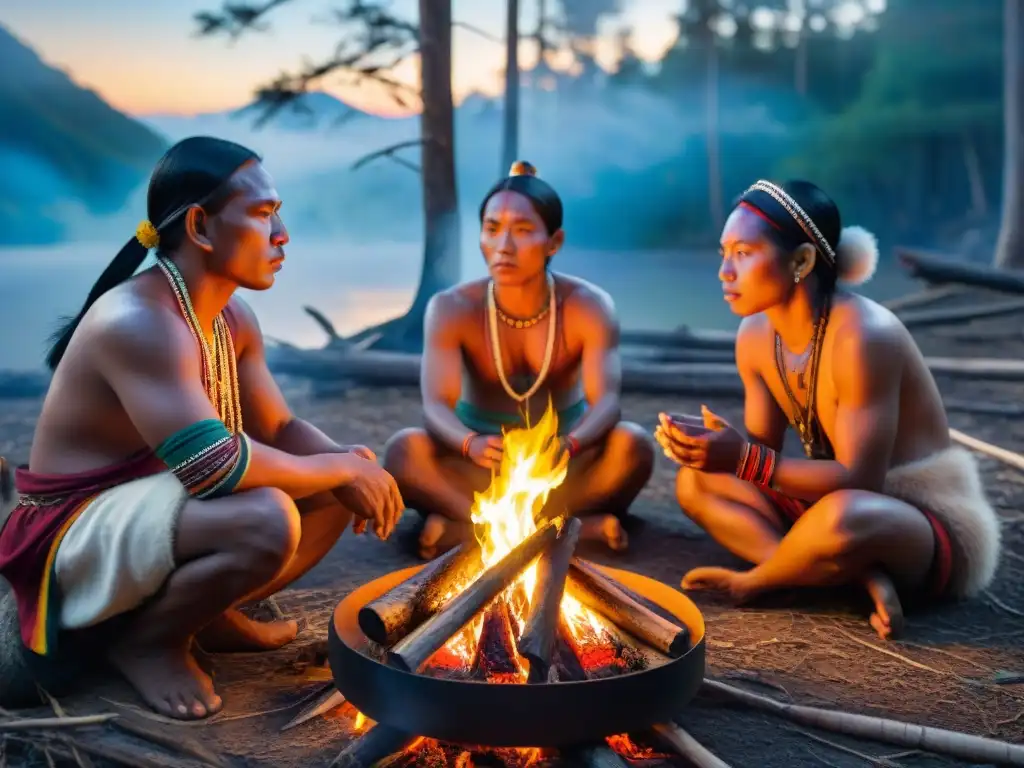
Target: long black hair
x=523, y=179
x=195, y=171
x=786, y=231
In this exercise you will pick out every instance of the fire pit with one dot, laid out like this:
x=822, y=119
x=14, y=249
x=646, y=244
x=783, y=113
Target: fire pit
x=512, y=641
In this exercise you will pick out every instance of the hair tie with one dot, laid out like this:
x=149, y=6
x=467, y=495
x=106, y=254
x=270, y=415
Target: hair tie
x=522, y=168
x=146, y=234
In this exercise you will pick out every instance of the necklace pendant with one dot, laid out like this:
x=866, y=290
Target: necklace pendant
x=801, y=381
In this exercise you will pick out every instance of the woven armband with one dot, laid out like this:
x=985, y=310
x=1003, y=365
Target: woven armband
x=206, y=458
x=757, y=465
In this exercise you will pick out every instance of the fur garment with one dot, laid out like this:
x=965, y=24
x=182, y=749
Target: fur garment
x=948, y=484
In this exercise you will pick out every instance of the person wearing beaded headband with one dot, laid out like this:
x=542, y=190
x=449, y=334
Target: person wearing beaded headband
x=497, y=349
x=168, y=481
x=881, y=497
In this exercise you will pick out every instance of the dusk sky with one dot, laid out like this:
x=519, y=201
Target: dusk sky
x=142, y=55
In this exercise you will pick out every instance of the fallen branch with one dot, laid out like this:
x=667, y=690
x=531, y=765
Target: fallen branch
x=922, y=298
x=688, y=747
x=975, y=749
x=994, y=451
x=983, y=408
x=373, y=746
x=939, y=270
x=928, y=317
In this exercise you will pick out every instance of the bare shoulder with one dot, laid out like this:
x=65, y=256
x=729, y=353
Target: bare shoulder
x=450, y=310
x=583, y=300
x=247, y=325
x=864, y=328
x=127, y=326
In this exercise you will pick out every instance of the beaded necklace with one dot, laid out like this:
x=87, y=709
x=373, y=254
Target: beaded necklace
x=220, y=374
x=492, y=313
x=805, y=420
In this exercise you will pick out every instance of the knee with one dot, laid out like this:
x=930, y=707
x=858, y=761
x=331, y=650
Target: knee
x=690, y=491
x=405, y=450
x=844, y=517
x=633, y=447
x=269, y=529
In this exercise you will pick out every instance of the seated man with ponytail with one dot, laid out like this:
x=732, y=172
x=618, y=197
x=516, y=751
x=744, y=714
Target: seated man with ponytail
x=882, y=497
x=495, y=351
x=168, y=481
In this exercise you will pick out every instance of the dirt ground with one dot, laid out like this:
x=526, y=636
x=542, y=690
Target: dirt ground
x=953, y=669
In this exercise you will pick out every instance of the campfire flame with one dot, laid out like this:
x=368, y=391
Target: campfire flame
x=533, y=465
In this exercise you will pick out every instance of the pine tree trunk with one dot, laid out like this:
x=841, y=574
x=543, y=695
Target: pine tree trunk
x=715, y=195
x=1010, y=247
x=441, y=261
x=510, y=129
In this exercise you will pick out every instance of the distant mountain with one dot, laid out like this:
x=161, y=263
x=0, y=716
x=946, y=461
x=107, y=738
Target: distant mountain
x=66, y=154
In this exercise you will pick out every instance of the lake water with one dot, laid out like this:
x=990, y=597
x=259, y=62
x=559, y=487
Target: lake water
x=357, y=286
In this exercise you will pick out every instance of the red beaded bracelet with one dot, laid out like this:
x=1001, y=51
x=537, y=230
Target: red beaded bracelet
x=574, y=445
x=757, y=464
x=465, y=444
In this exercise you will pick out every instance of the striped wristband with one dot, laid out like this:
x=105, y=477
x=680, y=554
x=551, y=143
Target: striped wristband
x=757, y=465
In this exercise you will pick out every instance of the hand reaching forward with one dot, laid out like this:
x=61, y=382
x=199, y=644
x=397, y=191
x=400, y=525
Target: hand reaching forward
x=371, y=494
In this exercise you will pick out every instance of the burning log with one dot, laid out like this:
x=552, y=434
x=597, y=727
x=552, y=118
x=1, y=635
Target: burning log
x=495, y=658
x=411, y=653
x=597, y=756
x=537, y=640
x=373, y=746
x=397, y=612
x=610, y=600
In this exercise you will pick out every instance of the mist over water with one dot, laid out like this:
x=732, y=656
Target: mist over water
x=356, y=244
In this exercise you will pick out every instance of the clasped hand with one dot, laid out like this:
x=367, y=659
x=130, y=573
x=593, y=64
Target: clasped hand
x=707, y=442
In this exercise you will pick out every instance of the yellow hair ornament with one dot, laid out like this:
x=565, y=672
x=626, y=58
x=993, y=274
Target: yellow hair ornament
x=147, y=235
x=522, y=168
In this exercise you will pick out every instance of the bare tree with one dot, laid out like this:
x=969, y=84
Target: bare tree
x=1010, y=246
x=374, y=42
x=510, y=128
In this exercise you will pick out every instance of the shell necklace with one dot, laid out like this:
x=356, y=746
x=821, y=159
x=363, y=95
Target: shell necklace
x=492, y=316
x=220, y=374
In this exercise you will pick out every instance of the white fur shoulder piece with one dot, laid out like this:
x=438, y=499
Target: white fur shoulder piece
x=856, y=256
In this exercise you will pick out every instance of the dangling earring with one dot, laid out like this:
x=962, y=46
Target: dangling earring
x=796, y=278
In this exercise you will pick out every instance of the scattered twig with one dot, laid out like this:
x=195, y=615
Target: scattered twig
x=1001, y=605
x=330, y=699
x=47, y=723
x=688, y=747
x=58, y=710
x=893, y=654
x=176, y=742
x=1002, y=454
x=944, y=652
x=881, y=762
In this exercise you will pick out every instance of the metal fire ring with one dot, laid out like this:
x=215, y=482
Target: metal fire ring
x=517, y=715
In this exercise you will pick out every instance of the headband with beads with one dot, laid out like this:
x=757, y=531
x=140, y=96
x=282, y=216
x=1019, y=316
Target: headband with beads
x=792, y=207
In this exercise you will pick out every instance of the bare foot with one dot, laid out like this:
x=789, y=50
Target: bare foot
x=169, y=680
x=440, y=534
x=234, y=632
x=711, y=579
x=887, y=620
x=607, y=529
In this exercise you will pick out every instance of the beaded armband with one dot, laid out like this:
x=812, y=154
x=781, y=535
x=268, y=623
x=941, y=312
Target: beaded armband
x=757, y=465
x=206, y=458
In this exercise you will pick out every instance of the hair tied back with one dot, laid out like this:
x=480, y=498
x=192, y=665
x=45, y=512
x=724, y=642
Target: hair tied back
x=856, y=255
x=522, y=168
